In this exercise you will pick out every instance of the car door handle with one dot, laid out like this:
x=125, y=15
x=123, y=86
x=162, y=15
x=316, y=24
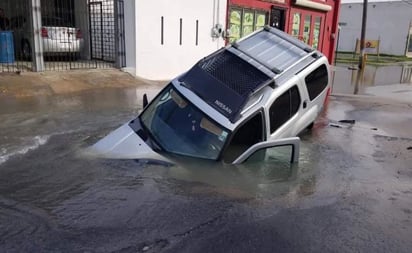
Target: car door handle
x=305, y=104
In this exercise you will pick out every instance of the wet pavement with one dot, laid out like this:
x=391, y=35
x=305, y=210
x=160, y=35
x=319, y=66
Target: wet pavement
x=351, y=190
x=28, y=84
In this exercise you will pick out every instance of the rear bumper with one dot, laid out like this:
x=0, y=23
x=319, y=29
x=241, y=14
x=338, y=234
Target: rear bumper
x=56, y=46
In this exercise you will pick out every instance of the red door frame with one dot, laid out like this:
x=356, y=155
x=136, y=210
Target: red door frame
x=258, y=5
x=313, y=14
x=329, y=23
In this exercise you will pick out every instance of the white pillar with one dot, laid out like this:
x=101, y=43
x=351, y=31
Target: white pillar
x=36, y=39
x=130, y=36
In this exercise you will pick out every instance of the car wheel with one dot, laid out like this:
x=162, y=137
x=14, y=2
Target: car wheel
x=26, y=50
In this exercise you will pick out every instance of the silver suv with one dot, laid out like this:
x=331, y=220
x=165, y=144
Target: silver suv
x=240, y=102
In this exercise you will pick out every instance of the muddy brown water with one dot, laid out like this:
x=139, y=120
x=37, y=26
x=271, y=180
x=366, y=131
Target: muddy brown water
x=350, y=191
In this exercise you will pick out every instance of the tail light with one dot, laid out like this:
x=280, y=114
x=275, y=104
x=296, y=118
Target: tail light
x=79, y=34
x=44, y=33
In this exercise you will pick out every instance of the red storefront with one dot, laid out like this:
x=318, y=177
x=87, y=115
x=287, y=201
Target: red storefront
x=313, y=21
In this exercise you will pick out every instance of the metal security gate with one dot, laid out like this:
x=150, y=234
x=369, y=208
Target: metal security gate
x=96, y=30
x=72, y=34
x=102, y=30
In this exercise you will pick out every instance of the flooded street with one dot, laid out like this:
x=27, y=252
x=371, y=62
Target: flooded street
x=351, y=190
x=345, y=78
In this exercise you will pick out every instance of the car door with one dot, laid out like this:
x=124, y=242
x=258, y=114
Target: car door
x=248, y=142
x=315, y=85
x=276, y=151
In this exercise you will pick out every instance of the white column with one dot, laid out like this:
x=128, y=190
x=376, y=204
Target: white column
x=36, y=39
x=130, y=35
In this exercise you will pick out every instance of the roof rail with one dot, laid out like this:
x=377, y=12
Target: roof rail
x=297, y=63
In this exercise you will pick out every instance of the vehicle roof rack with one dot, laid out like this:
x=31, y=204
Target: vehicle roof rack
x=227, y=78
x=277, y=51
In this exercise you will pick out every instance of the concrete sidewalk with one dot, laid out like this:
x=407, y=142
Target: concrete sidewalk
x=51, y=83
x=29, y=84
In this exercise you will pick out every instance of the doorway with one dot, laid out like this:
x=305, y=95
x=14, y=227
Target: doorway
x=277, y=18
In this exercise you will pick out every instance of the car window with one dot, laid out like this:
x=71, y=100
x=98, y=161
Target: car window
x=246, y=136
x=316, y=81
x=286, y=149
x=179, y=127
x=268, y=158
x=284, y=107
x=294, y=100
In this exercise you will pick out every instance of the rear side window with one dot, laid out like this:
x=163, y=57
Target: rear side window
x=317, y=81
x=284, y=107
x=294, y=100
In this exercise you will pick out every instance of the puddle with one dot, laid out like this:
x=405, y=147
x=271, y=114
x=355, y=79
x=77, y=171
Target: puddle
x=345, y=78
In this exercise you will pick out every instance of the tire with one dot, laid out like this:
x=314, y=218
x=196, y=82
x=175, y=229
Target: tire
x=26, y=50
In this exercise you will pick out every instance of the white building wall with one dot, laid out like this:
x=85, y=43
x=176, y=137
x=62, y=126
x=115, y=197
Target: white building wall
x=130, y=24
x=388, y=21
x=161, y=62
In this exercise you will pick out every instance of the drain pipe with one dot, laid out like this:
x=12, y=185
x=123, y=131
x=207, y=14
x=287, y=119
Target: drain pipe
x=363, y=31
x=218, y=12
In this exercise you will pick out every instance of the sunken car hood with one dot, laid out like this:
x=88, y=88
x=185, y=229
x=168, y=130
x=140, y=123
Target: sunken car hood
x=124, y=143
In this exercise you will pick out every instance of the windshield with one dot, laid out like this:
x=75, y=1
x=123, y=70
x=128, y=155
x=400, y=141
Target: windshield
x=181, y=128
